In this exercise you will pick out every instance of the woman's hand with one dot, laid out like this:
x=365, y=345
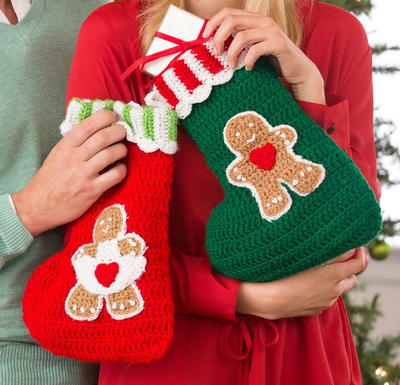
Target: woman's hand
x=266, y=38
x=304, y=294
x=70, y=179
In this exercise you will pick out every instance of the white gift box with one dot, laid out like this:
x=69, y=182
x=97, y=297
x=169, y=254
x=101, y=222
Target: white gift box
x=177, y=23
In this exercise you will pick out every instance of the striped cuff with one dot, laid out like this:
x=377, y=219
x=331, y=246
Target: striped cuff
x=24, y=363
x=151, y=129
x=14, y=236
x=190, y=79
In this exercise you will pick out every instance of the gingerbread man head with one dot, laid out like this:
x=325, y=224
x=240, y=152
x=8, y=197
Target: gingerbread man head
x=244, y=132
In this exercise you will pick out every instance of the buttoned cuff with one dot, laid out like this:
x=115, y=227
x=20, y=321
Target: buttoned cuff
x=218, y=300
x=14, y=236
x=332, y=117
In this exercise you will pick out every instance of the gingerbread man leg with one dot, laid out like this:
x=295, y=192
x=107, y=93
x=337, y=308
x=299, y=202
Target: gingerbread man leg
x=83, y=305
x=126, y=303
x=302, y=177
x=273, y=199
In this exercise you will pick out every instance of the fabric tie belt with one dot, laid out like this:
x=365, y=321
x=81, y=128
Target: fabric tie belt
x=255, y=342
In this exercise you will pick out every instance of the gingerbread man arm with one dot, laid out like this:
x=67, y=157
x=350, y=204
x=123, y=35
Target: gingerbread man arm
x=88, y=249
x=131, y=244
x=237, y=172
x=285, y=135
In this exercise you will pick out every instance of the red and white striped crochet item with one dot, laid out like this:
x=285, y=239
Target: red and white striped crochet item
x=190, y=78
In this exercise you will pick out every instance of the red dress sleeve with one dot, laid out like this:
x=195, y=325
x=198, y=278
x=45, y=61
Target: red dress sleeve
x=201, y=290
x=107, y=45
x=348, y=116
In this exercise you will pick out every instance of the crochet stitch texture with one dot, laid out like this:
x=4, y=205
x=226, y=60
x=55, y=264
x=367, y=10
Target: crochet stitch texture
x=329, y=208
x=106, y=296
x=341, y=214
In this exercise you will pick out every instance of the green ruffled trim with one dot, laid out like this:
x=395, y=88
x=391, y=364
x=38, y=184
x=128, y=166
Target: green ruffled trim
x=152, y=128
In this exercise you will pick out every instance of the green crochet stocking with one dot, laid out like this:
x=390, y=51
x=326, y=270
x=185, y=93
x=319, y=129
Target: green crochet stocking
x=293, y=198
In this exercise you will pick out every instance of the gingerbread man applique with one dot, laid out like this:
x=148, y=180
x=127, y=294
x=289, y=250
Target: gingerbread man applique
x=265, y=159
x=107, y=270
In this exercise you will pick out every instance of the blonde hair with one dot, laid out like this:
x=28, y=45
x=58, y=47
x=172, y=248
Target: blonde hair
x=284, y=13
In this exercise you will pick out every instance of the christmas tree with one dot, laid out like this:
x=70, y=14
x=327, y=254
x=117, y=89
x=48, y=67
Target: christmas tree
x=378, y=356
x=383, y=130
x=355, y=6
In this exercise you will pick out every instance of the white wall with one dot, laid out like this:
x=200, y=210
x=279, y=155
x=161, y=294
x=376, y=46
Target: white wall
x=383, y=26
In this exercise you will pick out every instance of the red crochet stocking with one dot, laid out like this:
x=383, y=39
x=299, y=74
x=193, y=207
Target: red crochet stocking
x=106, y=296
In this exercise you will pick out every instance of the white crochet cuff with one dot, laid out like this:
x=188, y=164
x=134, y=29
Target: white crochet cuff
x=151, y=128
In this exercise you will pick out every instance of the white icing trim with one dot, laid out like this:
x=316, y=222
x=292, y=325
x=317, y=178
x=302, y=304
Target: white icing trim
x=282, y=182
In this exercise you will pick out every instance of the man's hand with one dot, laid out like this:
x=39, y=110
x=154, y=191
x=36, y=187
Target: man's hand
x=70, y=179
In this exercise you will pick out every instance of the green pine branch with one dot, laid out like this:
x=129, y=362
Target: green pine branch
x=378, y=357
x=385, y=149
x=373, y=353
x=379, y=49
x=386, y=69
x=355, y=6
x=390, y=228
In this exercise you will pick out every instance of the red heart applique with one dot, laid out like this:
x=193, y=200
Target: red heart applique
x=264, y=157
x=106, y=273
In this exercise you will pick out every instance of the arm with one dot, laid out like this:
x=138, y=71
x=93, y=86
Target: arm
x=49, y=199
x=104, y=50
x=200, y=290
x=296, y=295
x=348, y=116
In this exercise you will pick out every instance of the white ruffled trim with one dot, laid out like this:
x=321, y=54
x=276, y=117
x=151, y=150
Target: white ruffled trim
x=71, y=118
x=201, y=93
x=134, y=134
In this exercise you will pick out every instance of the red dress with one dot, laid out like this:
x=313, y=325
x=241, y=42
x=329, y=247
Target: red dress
x=212, y=345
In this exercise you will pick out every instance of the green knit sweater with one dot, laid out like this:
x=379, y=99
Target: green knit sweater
x=35, y=58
